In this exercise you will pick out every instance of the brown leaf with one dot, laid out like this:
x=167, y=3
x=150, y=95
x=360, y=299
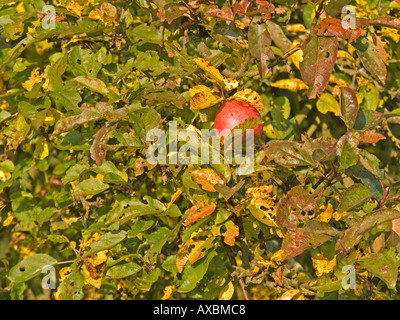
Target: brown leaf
x=224, y=13
x=370, y=136
x=333, y=27
x=278, y=276
x=380, y=48
x=319, y=58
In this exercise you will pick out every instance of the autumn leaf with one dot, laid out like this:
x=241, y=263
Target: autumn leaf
x=224, y=13
x=322, y=264
x=298, y=27
x=249, y=96
x=370, y=136
x=232, y=231
x=200, y=210
x=226, y=292
x=290, y=84
x=214, y=75
x=202, y=97
x=319, y=58
x=207, y=178
x=334, y=27
x=290, y=294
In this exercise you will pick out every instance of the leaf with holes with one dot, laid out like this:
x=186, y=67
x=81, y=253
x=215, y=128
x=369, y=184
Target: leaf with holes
x=319, y=58
x=31, y=267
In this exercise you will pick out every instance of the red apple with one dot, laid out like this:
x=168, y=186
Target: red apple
x=233, y=113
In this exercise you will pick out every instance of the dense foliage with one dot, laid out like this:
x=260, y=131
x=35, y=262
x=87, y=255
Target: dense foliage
x=80, y=88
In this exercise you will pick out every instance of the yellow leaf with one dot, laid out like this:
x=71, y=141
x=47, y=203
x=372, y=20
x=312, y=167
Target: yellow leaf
x=168, y=291
x=259, y=192
x=20, y=8
x=226, y=292
x=41, y=149
x=290, y=84
x=265, y=211
x=232, y=231
x=4, y=176
x=98, y=258
x=4, y=105
x=290, y=294
x=249, y=96
x=345, y=55
x=298, y=27
x=174, y=197
x=74, y=7
x=230, y=84
x=278, y=255
x=327, y=103
x=296, y=57
x=202, y=97
x=362, y=82
x=323, y=265
x=326, y=213
x=265, y=263
x=95, y=14
x=35, y=77
x=339, y=82
x=212, y=73
x=10, y=218
x=64, y=273
x=191, y=250
x=207, y=178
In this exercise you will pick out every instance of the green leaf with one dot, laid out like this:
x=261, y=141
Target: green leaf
x=149, y=34
x=370, y=97
x=88, y=114
x=30, y=267
x=319, y=58
x=368, y=180
x=372, y=164
x=192, y=274
x=165, y=97
x=368, y=119
x=124, y=270
x=370, y=58
x=16, y=132
x=156, y=240
x=131, y=208
x=110, y=172
x=72, y=287
x=68, y=97
x=90, y=187
x=93, y=84
x=353, y=234
x=278, y=36
x=106, y=241
x=283, y=126
x=74, y=172
x=384, y=265
x=55, y=70
x=354, y=196
x=4, y=115
x=83, y=62
x=348, y=151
